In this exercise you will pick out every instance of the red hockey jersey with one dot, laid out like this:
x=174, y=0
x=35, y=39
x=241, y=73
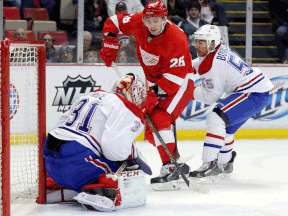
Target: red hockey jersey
x=165, y=58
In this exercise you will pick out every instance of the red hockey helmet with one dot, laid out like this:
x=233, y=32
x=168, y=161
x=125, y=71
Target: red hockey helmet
x=155, y=9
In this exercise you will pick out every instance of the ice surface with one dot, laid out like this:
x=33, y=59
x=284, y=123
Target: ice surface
x=258, y=186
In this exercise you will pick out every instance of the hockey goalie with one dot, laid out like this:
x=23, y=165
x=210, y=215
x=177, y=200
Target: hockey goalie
x=91, y=141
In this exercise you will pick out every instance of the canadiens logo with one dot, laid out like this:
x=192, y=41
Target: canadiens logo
x=14, y=101
x=72, y=89
x=276, y=107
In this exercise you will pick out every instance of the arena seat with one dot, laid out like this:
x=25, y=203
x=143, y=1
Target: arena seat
x=10, y=34
x=39, y=14
x=11, y=13
x=15, y=24
x=44, y=26
x=60, y=37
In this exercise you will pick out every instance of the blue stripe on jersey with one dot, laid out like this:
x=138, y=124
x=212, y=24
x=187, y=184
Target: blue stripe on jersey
x=226, y=151
x=212, y=145
x=251, y=85
x=72, y=131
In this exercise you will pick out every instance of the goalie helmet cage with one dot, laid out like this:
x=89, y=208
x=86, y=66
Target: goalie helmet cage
x=22, y=90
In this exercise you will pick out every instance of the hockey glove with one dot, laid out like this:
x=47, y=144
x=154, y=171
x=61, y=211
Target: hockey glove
x=150, y=103
x=109, y=51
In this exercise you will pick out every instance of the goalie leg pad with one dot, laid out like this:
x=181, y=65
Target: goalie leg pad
x=127, y=192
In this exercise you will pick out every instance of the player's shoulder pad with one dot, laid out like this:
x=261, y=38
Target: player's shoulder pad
x=173, y=40
x=132, y=107
x=207, y=63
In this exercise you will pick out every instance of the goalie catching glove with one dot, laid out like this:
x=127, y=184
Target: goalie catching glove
x=109, y=51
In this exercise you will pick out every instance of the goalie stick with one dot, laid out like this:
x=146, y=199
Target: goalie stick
x=119, y=171
x=200, y=188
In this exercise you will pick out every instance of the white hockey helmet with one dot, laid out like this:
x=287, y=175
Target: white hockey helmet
x=132, y=88
x=208, y=33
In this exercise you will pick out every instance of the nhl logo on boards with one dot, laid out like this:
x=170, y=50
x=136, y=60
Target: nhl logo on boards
x=72, y=89
x=149, y=39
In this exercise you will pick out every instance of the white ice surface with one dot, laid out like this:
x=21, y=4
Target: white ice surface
x=258, y=186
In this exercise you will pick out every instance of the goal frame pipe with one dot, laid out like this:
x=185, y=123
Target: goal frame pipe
x=5, y=119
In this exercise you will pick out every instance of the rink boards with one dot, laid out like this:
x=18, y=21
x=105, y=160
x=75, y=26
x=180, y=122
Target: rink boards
x=64, y=84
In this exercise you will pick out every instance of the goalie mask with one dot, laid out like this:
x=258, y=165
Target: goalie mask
x=132, y=88
x=207, y=33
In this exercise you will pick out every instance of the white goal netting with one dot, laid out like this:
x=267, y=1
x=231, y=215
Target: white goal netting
x=24, y=153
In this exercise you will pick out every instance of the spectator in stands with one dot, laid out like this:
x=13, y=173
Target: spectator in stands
x=220, y=14
x=133, y=6
x=65, y=55
x=51, y=53
x=176, y=11
x=206, y=12
x=91, y=57
x=95, y=14
x=87, y=41
x=122, y=8
x=20, y=33
x=19, y=54
x=278, y=11
x=191, y=24
x=122, y=57
x=130, y=50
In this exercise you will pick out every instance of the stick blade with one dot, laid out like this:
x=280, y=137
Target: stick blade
x=199, y=188
x=185, y=159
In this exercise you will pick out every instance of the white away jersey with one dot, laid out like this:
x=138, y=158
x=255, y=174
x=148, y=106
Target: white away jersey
x=223, y=71
x=105, y=122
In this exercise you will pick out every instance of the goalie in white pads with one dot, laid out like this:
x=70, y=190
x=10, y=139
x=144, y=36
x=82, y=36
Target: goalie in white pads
x=223, y=71
x=93, y=139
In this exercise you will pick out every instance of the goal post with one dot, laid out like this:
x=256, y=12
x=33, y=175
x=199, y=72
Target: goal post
x=23, y=121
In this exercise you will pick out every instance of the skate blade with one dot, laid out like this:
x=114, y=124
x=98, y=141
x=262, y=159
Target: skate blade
x=168, y=186
x=205, y=180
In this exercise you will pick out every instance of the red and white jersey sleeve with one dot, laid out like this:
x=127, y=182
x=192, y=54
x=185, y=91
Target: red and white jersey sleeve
x=223, y=71
x=123, y=23
x=105, y=122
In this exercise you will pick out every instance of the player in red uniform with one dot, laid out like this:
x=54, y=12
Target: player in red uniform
x=162, y=50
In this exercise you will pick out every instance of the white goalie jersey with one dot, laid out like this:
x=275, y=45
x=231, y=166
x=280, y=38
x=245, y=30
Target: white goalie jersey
x=102, y=121
x=223, y=71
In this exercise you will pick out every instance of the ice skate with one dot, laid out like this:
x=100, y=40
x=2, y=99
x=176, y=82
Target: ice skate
x=169, y=177
x=207, y=173
x=227, y=169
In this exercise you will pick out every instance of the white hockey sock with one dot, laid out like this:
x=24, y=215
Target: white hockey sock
x=225, y=153
x=215, y=136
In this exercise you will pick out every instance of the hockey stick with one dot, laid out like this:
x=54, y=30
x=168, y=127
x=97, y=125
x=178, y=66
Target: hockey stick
x=195, y=187
x=119, y=171
x=116, y=69
x=175, y=136
x=200, y=188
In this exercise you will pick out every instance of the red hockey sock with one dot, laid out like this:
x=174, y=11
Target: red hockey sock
x=164, y=156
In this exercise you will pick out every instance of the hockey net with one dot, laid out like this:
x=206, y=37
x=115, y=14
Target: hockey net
x=23, y=122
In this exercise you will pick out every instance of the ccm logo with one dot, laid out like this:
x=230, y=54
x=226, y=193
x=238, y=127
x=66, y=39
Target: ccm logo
x=130, y=173
x=111, y=46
